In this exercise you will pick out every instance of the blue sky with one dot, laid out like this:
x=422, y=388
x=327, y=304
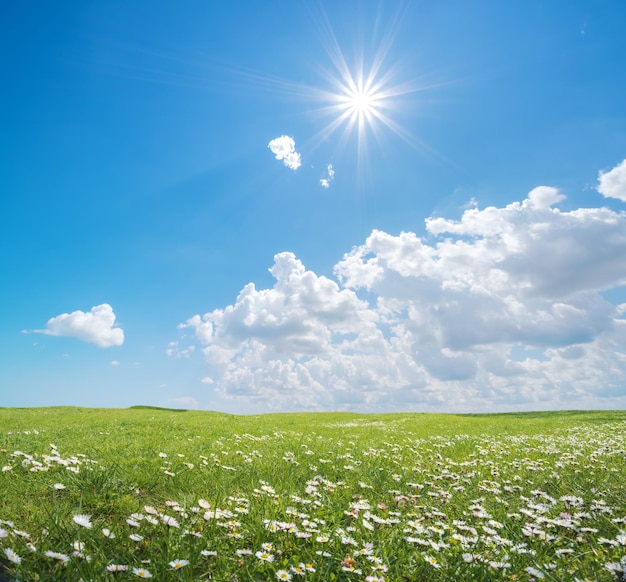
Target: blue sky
x=457, y=243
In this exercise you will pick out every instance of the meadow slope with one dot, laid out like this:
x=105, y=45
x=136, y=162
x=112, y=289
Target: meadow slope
x=112, y=494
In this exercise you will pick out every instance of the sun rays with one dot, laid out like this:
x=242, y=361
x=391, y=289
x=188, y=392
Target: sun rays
x=357, y=96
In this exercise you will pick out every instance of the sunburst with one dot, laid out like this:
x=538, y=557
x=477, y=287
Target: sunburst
x=355, y=99
x=364, y=100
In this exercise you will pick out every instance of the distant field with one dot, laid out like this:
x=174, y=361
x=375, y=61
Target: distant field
x=97, y=494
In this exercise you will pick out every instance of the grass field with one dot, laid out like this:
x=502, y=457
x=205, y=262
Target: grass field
x=91, y=494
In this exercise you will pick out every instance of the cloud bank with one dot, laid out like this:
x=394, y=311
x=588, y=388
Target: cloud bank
x=284, y=148
x=612, y=184
x=502, y=309
x=96, y=326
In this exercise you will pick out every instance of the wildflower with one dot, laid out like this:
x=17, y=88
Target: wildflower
x=12, y=556
x=141, y=573
x=117, y=568
x=264, y=557
x=57, y=556
x=107, y=533
x=135, y=537
x=178, y=564
x=167, y=520
x=432, y=562
x=298, y=570
x=496, y=565
x=208, y=553
x=83, y=520
x=58, y=486
x=283, y=575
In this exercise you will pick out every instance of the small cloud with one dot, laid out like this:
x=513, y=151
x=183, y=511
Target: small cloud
x=115, y=363
x=96, y=326
x=329, y=177
x=207, y=380
x=612, y=184
x=284, y=148
x=175, y=351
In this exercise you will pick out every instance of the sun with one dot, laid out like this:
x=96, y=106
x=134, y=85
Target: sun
x=359, y=97
x=364, y=97
x=359, y=101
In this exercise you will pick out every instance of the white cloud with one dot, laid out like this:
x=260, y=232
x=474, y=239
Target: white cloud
x=284, y=148
x=612, y=184
x=329, y=177
x=96, y=326
x=501, y=309
x=174, y=350
x=115, y=363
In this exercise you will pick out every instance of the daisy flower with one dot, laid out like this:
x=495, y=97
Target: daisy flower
x=135, y=537
x=57, y=556
x=208, y=553
x=283, y=575
x=58, y=486
x=265, y=557
x=243, y=552
x=83, y=520
x=117, y=568
x=178, y=564
x=12, y=556
x=168, y=520
x=141, y=573
x=107, y=533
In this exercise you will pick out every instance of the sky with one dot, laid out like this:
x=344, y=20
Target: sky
x=355, y=206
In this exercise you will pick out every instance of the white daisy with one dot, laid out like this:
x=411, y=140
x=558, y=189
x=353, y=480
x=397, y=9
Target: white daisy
x=83, y=520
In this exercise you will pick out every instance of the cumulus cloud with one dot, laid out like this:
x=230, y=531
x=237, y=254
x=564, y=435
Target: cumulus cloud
x=328, y=177
x=500, y=309
x=612, y=184
x=96, y=326
x=284, y=148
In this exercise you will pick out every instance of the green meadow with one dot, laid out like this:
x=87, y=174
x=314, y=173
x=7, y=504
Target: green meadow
x=111, y=495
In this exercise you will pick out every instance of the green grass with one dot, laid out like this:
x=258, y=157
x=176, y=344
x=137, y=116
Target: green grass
x=393, y=496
